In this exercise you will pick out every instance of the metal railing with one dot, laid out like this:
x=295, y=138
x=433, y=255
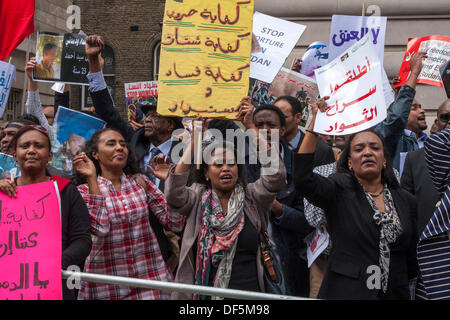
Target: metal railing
x=178, y=287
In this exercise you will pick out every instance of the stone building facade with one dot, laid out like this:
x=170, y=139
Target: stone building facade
x=132, y=33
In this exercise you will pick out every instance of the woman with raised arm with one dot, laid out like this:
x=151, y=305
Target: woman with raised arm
x=120, y=201
x=221, y=244
x=32, y=151
x=371, y=220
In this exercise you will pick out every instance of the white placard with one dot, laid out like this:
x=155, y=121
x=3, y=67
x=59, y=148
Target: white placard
x=318, y=244
x=353, y=81
x=7, y=75
x=277, y=38
x=348, y=30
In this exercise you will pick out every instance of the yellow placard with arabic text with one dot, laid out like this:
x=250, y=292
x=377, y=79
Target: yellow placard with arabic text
x=205, y=57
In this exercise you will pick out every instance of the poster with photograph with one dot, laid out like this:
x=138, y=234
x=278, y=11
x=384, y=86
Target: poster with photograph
x=61, y=58
x=287, y=83
x=72, y=129
x=8, y=166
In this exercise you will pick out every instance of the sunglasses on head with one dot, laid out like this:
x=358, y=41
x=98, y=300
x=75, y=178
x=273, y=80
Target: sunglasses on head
x=40, y=129
x=444, y=117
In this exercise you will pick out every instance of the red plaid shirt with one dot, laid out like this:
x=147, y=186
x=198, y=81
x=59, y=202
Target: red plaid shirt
x=124, y=244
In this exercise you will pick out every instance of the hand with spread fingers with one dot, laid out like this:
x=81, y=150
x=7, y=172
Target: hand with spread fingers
x=161, y=165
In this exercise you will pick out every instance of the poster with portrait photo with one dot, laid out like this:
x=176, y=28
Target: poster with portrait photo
x=61, y=58
x=72, y=129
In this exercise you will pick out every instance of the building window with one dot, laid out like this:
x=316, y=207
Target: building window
x=13, y=106
x=109, y=73
x=156, y=53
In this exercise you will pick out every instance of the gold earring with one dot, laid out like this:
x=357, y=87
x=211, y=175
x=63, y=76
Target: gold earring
x=207, y=179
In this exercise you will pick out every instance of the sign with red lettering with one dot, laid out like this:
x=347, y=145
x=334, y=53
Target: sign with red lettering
x=353, y=81
x=30, y=243
x=438, y=52
x=136, y=92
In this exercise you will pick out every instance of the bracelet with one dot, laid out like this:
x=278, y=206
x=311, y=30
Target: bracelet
x=307, y=130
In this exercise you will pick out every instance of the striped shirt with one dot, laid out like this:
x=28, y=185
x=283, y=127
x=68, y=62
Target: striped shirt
x=124, y=243
x=433, y=250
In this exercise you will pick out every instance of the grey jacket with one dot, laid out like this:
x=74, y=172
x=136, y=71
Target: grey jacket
x=259, y=197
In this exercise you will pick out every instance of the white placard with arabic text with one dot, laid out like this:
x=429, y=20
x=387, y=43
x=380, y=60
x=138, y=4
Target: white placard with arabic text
x=277, y=38
x=7, y=75
x=348, y=30
x=353, y=81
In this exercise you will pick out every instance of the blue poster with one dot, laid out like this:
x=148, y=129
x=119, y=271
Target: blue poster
x=71, y=130
x=8, y=166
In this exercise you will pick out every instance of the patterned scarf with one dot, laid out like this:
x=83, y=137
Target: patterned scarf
x=390, y=230
x=217, y=240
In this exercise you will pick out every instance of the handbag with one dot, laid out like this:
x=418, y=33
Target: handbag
x=273, y=276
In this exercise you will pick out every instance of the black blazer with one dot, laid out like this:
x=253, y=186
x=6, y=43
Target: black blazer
x=416, y=180
x=323, y=155
x=355, y=236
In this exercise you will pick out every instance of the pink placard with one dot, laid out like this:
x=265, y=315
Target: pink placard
x=30, y=244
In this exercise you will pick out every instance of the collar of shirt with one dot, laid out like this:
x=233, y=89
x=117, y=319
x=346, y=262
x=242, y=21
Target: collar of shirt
x=419, y=140
x=163, y=147
x=294, y=142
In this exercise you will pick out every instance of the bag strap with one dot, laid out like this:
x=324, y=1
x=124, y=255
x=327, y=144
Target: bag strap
x=265, y=251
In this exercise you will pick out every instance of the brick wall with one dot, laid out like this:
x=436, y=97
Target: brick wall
x=133, y=50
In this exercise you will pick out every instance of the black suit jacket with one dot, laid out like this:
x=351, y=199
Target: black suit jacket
x=323, y=155
x=355, y=236
x=416, y=180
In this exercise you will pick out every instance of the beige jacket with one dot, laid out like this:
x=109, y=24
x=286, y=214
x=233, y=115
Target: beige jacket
x=259, y=197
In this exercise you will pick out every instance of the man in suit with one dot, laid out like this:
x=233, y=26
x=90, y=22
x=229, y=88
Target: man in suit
x=287, y=222
x=415, y=177
x=153, y=139
x=292, y=110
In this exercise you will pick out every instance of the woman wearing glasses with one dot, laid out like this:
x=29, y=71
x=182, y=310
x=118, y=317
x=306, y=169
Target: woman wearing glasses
x=31, y=149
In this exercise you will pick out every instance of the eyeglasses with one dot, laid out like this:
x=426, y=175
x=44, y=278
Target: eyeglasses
x=444, y=117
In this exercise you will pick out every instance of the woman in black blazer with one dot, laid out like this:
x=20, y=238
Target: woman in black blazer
x=371, y=219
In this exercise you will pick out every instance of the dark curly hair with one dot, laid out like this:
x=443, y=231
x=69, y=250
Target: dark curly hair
x=387, y=174
x=130, y=168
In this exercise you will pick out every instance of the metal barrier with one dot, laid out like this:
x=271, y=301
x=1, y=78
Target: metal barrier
x=178, y=287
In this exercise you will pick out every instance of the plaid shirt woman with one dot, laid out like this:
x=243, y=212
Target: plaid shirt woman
x=124, y=243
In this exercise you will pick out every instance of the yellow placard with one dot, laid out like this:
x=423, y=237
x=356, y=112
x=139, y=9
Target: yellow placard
x=205, y=57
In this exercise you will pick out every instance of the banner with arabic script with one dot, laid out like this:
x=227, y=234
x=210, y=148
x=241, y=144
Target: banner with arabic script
x=30, y=243
x=353, y=81
x=61, y=57
x=136, y=92
x=205, y=57
x=7, y=75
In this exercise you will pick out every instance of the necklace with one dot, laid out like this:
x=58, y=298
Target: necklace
x=374, y=195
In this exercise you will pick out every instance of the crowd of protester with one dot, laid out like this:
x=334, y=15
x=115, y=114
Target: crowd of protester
x=130, y=209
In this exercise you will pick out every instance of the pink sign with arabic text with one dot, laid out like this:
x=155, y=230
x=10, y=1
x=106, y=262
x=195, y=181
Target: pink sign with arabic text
x=30, y=243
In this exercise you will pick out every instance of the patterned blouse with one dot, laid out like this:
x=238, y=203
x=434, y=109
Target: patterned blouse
x=124, y=244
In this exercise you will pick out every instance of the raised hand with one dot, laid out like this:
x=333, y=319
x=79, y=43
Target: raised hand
x=84, y=166
x=161, y=165
x=245, y=113
x=416, y=63
x=94, y=46
x=29, y=67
